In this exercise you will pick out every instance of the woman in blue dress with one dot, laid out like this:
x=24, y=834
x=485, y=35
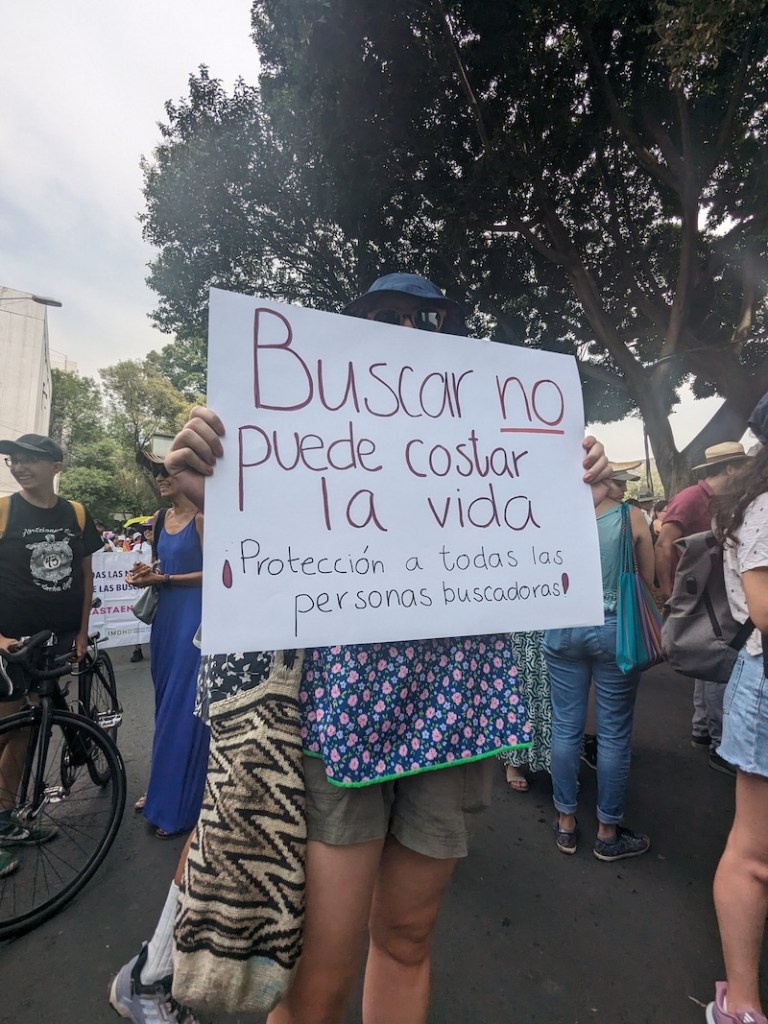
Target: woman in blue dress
x=180, y=746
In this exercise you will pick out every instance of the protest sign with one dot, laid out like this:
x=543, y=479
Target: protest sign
x=114, y=618
x=387, y=484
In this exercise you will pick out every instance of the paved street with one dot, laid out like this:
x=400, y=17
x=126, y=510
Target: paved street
x=526, y=935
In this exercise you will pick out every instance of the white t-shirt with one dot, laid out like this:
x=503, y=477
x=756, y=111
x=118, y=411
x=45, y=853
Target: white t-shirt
x=751, y=552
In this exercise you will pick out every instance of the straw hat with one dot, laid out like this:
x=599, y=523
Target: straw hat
x=726, y=451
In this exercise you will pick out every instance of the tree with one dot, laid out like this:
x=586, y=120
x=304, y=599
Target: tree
x=590, y=173
x=98, y=470
x=183, y=364
x=141, y=403
x=95, y=485
x=77, y=411
x=229, y=206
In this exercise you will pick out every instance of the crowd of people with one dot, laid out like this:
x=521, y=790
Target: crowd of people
x=131, y=540
x=380, y=855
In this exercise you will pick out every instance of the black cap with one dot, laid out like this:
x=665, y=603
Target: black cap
x=33, y=444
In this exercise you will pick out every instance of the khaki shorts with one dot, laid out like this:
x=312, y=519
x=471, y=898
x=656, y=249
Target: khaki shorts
x=430, y=813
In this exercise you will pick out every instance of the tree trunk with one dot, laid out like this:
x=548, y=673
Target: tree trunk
x=672, y=467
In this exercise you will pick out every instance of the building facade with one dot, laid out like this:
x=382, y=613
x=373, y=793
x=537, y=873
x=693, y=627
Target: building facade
x=25, y=371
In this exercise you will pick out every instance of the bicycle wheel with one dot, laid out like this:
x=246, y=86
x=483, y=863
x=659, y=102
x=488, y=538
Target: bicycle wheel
x=108, y=666
x=99, y=703
x=80, y=816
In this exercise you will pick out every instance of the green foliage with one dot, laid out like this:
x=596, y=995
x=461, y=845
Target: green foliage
x=183, y=362
x=101, y=437
x=590, y=174
x=228, y=207
x=77, y=412
x=141, y=402
x=694, y=36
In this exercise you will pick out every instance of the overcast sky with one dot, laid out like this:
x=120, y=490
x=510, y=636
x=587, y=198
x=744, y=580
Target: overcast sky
x=83, y=85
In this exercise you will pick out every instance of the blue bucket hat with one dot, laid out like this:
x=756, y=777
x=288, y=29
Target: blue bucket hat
x=758, y=420
x=408, y=284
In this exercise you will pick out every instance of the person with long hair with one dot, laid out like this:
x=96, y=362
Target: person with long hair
x=741, y=880
x=180, y=745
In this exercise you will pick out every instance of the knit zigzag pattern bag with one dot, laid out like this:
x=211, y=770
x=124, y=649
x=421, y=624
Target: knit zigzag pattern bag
x=241, y=902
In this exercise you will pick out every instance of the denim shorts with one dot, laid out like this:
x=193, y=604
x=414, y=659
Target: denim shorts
x=430, y=812
x=745, y=716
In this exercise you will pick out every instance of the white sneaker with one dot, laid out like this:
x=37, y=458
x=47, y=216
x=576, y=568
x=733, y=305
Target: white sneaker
x=146, y=1004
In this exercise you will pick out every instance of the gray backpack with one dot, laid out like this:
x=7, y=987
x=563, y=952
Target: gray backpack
x=699, y=636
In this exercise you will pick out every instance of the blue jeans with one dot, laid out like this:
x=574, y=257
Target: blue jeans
x=575, y=657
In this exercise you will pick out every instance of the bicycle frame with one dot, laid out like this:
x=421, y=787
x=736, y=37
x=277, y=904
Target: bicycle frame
x=82, y=672
x=48, y=694
x=63, y=781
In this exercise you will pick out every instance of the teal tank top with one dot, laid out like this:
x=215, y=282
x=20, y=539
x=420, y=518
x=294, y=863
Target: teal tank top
x=609, y=536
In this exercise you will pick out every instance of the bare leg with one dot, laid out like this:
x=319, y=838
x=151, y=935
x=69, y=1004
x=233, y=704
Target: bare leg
x=183, y=860
x=741, y=892
x=12, y=755
x=406, y=903
x=340, y=881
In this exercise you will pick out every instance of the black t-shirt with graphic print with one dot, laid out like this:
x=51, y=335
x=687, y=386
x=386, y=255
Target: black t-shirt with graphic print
x=41, y=568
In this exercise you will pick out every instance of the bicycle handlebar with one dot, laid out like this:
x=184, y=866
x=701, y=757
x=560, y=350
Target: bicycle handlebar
x=22, y=651
x=21, y=655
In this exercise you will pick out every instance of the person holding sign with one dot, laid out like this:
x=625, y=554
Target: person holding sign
x=384, y=838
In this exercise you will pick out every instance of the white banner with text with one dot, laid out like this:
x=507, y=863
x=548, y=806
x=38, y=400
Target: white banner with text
x=114, y=618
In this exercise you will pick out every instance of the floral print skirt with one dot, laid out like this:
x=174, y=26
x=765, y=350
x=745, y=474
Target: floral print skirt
x=374, y=712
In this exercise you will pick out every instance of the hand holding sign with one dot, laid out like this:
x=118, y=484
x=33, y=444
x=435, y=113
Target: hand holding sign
x=194, y=452
x=598, y=469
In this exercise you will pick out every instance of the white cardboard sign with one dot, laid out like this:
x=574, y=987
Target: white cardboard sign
x=380, y=483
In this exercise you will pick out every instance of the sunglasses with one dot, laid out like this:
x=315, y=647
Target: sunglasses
x=425, y=319
x=160, y=473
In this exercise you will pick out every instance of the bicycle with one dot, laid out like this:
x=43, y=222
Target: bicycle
x=60, y=773
x=97, y=696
